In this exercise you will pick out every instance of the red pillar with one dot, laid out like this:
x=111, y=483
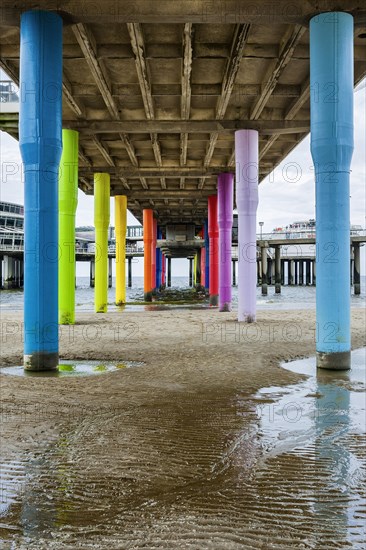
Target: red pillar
x=213, y=233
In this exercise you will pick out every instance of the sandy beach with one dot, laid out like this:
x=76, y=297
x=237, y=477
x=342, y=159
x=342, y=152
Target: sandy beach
x=164, y=455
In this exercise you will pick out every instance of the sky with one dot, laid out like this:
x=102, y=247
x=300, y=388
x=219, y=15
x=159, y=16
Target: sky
x=286, y=195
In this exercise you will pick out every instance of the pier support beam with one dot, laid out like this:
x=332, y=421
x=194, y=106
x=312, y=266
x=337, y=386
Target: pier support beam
x=207, y=256
x=120, y=215
x=356, y=269
x=301, y=272
x=246, y=154
x=92, y=273
x=291, y=272
x=213, y=233
x=331, y=61
x=198, y=268
x=313, y=272
x=148, y=222
x=278, y=269
x=169, y=275
x=67, y=203
x=308, y=272
x=1, y=272
x=9, y=272
x=190, y=279
x=129, y=271
x=40, y=140
x=264, y=262
x=225, y=197
x=234, y=272
x=101, y=222
x=110, y=272
x=163, y=270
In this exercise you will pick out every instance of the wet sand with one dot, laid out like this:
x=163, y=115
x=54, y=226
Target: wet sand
x=170, y=454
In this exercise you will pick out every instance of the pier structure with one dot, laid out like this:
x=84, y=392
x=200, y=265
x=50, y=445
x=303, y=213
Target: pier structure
x=159, y=121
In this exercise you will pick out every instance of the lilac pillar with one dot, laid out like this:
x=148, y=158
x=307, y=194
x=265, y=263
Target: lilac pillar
x=246, y=154
x=225, y=190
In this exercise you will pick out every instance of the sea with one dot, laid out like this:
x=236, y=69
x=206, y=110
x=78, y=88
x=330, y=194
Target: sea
x=291, y=297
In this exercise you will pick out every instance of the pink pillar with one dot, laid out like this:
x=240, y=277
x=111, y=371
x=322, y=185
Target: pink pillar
x=213, y=233
x=153, y=254
x=225, y=190
x=246, y=155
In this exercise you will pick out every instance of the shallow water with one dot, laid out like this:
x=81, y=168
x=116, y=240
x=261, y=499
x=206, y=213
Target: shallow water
x=73, y=368
x=284, y=469
x=291, y=297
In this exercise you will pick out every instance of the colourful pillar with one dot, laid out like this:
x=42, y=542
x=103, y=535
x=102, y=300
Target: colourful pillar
x=101, y=222
x=153, y=255
x=158, y=261
x=213, y=233
x=225, y=190
x=246, y=153
x=163, y=269
x=67, y=203
x=120, y=214
x=207, y=256
x=40, y=140
x=331, y=103
x=203, y=266
x=148, y=222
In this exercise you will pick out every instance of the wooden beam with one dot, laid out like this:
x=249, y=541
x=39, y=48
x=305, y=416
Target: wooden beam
x=197, y=11
x=263, y=126
x=138, y=47
x=187, y=41
x=88, y=46
x=131, y=172
x=290, y=41
x=75, y=105
x=129, y=149
x=103, y=151
x=232, y=67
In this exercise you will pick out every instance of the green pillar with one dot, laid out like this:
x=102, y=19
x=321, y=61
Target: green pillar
x=67, y=202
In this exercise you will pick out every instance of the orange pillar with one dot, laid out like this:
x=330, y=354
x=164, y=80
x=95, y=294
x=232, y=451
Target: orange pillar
x=148, y=222
x=153, y=254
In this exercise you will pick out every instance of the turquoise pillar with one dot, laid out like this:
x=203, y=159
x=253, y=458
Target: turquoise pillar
x=40, y=140
x=331, y=81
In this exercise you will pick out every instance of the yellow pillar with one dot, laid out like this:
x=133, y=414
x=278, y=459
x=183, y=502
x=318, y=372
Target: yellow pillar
x=101, y=222
x=67, y=202
x=120, y=204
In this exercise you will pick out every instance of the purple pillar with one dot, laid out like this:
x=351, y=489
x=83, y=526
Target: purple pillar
x=246, y=154
x=225, y=190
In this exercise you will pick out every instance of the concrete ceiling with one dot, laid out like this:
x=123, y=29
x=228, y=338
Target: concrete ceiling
x=157, y=89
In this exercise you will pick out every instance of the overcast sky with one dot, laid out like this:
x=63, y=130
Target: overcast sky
x=286, y=195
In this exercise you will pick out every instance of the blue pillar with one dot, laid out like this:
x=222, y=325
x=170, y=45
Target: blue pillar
x=331, y=79
x=40, y=139
x=207, y=256
x=159, y=260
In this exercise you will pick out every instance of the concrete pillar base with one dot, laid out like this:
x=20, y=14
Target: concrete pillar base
x=278, y=288
x=214, y=300
x=357, y=288
x=264, y=289
x=226, y=306
x=148, y=296
x=37, y=362
x=333, y=361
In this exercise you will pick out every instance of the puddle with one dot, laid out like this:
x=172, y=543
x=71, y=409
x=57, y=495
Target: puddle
x=320, y=424
x=74, y=368
x=212, y=470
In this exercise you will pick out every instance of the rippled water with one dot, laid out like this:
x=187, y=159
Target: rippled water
x=284, y=469
x=73, y=368
x=291, y=297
